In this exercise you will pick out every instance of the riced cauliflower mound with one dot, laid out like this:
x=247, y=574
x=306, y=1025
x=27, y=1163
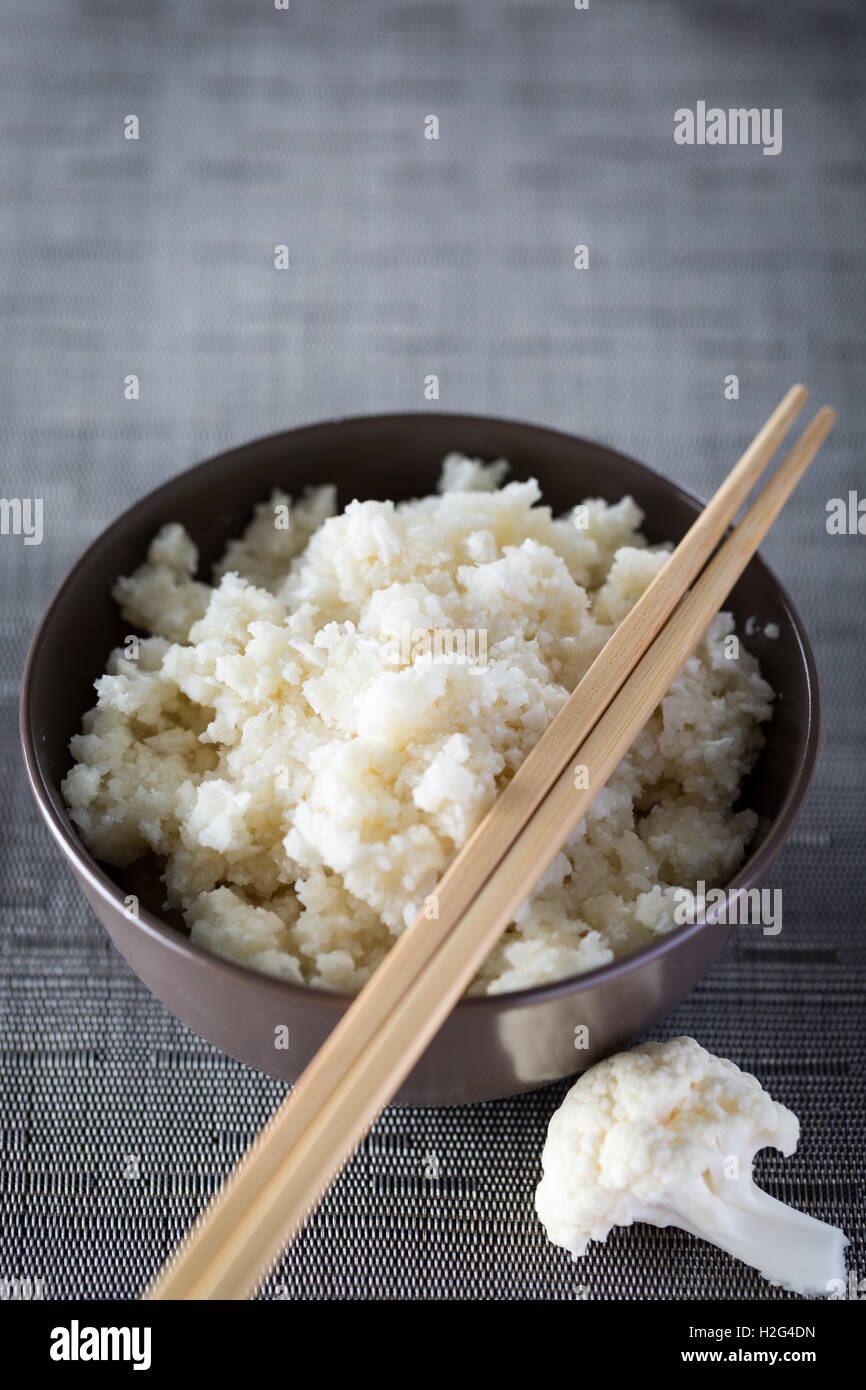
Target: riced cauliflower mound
x=306, y=744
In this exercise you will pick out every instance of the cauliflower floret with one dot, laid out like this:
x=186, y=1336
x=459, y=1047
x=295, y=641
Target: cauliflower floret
x=667, y=1134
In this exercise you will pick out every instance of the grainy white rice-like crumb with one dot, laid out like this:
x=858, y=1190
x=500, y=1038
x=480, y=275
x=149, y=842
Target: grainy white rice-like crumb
x=306, y=774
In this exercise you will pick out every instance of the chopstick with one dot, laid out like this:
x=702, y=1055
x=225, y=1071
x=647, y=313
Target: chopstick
x=348, y=1082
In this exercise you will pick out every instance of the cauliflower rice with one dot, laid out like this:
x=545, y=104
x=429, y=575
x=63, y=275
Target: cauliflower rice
x=306, y=760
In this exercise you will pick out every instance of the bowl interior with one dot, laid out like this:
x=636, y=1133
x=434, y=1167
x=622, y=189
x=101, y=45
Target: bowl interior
x=388, y=457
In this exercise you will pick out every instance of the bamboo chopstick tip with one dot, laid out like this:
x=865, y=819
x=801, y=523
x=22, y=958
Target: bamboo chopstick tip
x=793, y=400
x=818, y=428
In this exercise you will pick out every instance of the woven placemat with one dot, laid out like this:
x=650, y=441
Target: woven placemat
x=410, y=257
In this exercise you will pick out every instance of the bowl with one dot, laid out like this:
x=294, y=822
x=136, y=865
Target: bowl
x=492, y=1045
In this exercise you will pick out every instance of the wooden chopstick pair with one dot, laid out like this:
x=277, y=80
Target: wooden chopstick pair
x=386, y=1029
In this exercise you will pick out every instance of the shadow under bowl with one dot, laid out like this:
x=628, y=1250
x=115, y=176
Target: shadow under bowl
x=493, y=1045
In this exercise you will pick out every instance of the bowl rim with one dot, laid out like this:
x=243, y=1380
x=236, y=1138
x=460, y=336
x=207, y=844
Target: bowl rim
x=90, y=870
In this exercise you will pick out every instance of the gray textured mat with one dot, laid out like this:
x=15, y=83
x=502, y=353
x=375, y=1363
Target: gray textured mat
x=412, y=257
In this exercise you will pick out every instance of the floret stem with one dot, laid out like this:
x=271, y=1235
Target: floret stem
x=785, y=1245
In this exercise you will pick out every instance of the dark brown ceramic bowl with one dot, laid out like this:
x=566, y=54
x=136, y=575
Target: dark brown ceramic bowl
x=493, y=1045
